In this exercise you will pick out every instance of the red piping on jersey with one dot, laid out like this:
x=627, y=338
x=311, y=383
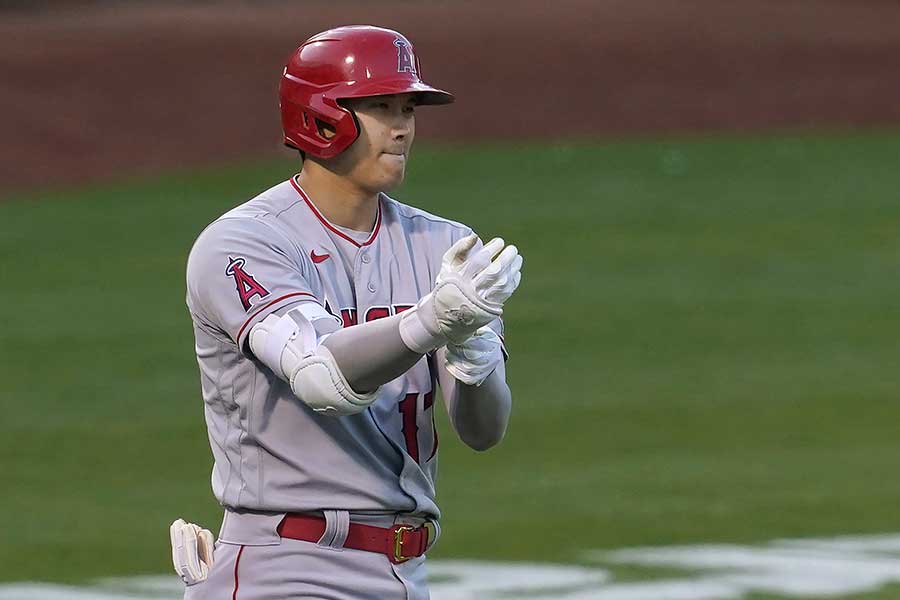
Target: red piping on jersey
x=432, y=374
x=237, y=561
x=276, y=300
x=331, y=227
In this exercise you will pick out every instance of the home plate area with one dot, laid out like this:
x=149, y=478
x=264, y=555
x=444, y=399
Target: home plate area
x=808, y=568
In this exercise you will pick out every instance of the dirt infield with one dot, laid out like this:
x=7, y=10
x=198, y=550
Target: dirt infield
x=114, y=90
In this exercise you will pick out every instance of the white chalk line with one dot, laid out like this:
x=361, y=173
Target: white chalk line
x=806, y=568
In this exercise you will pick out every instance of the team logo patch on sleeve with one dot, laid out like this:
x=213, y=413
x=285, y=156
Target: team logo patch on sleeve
x=246, y=284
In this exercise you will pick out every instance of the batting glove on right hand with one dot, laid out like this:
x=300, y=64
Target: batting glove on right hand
x=469, y=292
x=192, y=551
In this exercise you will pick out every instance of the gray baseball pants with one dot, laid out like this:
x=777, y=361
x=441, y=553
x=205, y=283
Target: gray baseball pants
x=252, y=562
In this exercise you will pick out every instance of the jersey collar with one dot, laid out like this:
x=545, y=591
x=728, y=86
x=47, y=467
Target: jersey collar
x=330, y=226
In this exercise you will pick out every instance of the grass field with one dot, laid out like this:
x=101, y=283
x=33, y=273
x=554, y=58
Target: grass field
x=704, y=348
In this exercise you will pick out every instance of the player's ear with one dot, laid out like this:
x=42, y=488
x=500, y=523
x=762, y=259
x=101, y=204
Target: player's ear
x=325, y=130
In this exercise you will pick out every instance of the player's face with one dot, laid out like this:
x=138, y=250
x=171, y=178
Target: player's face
x=376, y=161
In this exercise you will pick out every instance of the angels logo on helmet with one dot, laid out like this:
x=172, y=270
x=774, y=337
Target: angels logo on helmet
x=405, y=61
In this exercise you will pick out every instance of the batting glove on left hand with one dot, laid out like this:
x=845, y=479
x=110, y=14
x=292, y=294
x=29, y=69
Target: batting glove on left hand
x=475, y=359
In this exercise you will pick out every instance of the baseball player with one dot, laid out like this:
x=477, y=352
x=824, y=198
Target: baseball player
x=326, y=314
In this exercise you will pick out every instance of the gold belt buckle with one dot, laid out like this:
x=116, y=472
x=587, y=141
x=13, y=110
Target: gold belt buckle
x=431, y=529
x=398, y=543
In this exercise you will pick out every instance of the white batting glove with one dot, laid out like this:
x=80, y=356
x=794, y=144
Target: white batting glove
x=475, y=359
x=469, y=292
x=192, y=551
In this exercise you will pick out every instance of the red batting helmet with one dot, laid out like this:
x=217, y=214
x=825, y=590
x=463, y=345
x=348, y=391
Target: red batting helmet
x=346, y=62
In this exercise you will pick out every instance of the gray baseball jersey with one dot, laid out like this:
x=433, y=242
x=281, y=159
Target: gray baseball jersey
x=271, y=451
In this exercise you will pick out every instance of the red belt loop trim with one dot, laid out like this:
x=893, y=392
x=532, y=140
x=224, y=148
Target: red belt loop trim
x=399, y=543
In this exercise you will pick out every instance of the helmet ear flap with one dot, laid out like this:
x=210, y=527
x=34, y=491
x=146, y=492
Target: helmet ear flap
x=321, y=124
x=352, y=114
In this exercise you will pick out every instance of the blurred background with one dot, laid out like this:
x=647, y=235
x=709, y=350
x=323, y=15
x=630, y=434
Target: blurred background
x=705, y=344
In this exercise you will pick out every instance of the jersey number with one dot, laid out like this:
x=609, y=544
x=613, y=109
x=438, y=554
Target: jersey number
x=409, y=413
x=409, y=405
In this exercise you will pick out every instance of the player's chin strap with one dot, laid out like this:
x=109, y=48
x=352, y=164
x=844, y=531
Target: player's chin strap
x=291, y=345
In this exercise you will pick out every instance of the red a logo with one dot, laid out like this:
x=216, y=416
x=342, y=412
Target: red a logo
x=406, y=62
x=247, y=286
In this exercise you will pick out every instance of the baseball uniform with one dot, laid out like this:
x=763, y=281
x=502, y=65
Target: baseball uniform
x=273, y=454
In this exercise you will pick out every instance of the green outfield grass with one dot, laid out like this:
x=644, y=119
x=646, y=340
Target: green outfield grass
x=704, y=348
